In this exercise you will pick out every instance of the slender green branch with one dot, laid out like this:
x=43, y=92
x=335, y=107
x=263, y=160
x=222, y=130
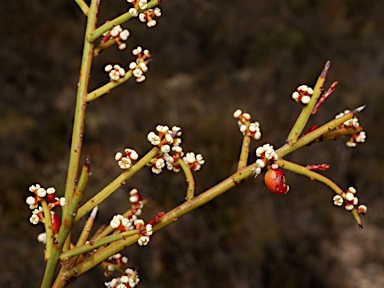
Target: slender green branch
x=48, y=229
x=100, y=255
x=168, y=218
x=108, y=229
x=189, y=178
x=316, y=176
x=315, y=134
x=117, y=21
x=81, y=103
x=78, y=130
x=103, y=46
x=244, y=154
x=105, y=89
x=310, y=174
x=83, y=6
x=68, y=221
x=96, y=244
x=307, y=110
x=115, y=184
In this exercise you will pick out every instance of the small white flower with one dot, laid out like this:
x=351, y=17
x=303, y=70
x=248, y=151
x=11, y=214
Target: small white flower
x=153, y=138
x=34, y=219
x=118, y=156
x=41, y=192
x=62, y=201
x=108, y=68
x=143, y=240
x=349, y=196
x=42, y=237
x=133, y=12
x=237, y=113
x=124, y=35
x=31, y=200
x=338, y=200
x=349, y=207
x=34, y=188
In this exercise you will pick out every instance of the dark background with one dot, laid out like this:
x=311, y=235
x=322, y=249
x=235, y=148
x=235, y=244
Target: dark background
x=210, y=58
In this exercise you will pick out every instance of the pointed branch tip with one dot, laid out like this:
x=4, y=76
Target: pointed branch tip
x=325, y=70
x=359, y=109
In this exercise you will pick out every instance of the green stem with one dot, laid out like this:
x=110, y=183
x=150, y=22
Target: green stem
x=81, y=103
x=96, y=244
x=167, y=219
x=78, y=130
x=115, y=184
x=310, y=174
x=189, y=178
x=307, y=110
x=243, y=159
x=48, y=230
x=117, y=21
x=105, y=89
x=315, y=134
x=83, y=6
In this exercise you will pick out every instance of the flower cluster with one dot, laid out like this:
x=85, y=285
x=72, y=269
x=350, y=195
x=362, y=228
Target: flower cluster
x=170, y=151
x=302, y=94
x=137, y=5
x=265, y=153
x=125, y=162
x=115, y=261
x=145, y=16
x=352, y=123
x=48, y=195
x=350, y=199
x=129, y=280
x=149, y=15
x=139, y=67
x=115, y=72
x=245, y=125
x=117, y=34
x=145, y=231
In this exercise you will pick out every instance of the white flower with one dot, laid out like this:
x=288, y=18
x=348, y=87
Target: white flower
x=338, y=200
x=153, y=138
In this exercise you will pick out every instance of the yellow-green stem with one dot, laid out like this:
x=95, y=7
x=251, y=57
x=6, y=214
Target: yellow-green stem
x=83, y=6
x=117, y=21
x=189, y=178
x=78, y=130
x=105, y=89
x=307, y=110
x=243, y=159
x=115, y=184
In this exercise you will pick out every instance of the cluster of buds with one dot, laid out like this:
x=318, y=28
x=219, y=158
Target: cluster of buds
x=145, y=231
x=352, y=123
x=48, y=195
x=245, y=125
x=121, y=223
x=302, y=94
x=115, y=72
x=118, y=35
x=149, y=15
x=351, y=201
x=129, y=280
x=125, y=162
x=137, y=5
x=266, y=153
x=170, y=151
x=139, y=67
x=115, y=261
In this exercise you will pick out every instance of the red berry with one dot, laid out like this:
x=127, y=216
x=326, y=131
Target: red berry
x=276, y=181
x=51, y=198
x=56, y=223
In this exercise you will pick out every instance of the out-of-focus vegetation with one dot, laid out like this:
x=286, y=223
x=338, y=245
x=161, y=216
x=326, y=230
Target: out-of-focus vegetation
x=210, y=58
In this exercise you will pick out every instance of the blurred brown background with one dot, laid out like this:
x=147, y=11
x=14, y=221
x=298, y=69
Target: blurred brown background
x=210, y=58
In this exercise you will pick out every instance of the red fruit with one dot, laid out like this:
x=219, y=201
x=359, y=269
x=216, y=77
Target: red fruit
x=51, y=198
x=56, y=223
x=276, y=181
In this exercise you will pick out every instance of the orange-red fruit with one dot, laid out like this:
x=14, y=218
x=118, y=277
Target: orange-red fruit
x=56, y=223
x=276, y=181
